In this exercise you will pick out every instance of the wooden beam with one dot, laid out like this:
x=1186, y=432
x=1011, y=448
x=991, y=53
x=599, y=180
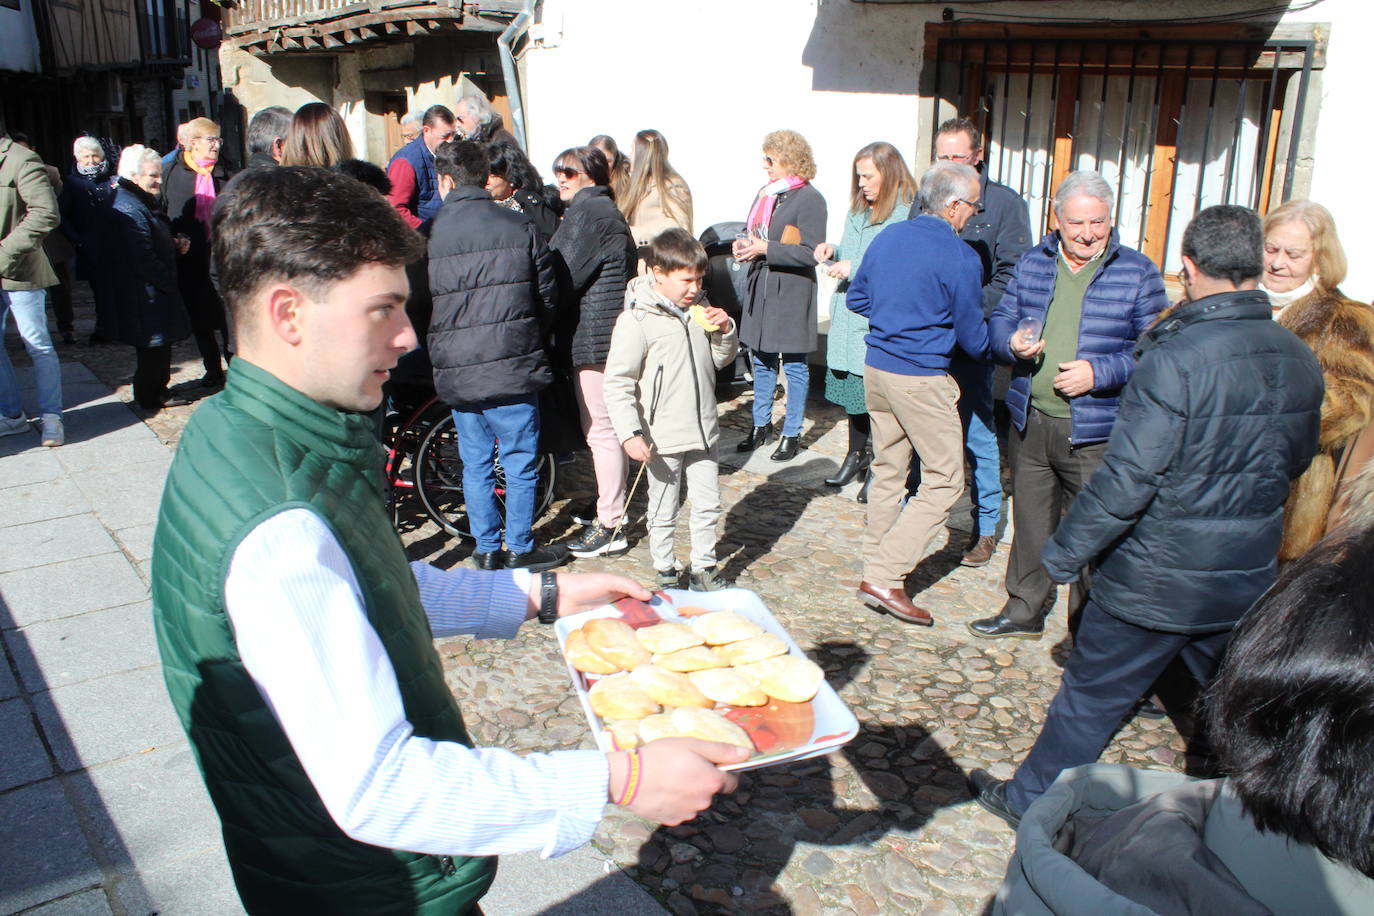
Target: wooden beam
x=1270, y=156
x=1160, y=195
x=332, y=41
x=1061, y=158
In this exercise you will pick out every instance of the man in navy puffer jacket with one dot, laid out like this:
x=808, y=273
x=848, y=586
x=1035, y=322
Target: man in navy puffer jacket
x=1093, y=297
x=1184, y=515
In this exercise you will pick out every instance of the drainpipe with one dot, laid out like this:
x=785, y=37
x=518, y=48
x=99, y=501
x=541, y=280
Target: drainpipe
x=517, y=111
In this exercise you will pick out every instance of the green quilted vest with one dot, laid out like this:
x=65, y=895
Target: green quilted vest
x=257, y=449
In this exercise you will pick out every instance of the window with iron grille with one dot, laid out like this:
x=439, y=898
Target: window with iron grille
x=1174, y=124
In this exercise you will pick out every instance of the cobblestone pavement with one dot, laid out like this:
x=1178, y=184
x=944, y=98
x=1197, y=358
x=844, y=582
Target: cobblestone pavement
x=883, y=826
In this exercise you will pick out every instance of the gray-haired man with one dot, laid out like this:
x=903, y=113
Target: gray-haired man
x=267, y=136
x=479, y=122
x=1091, y=297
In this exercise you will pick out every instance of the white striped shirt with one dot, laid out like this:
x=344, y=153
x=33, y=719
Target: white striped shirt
x=302, y=633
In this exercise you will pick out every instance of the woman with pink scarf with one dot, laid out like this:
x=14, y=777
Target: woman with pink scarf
x=190, y=184
x=786, y=223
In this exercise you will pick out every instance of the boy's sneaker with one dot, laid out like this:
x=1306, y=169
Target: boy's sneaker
x=538, y=559
x=596, y=539
x=53, y=434
x=669, y=578
x=13, y=426
x=707, y=580
x=584, y=514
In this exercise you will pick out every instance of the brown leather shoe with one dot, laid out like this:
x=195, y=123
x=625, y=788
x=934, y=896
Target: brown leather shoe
x=895, y=602
x=980, y=551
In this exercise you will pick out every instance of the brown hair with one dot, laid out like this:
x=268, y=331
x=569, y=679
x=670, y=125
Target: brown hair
x=616, y=161
x=791, y=149
x=898, y=186
x=652, y=171
x=317, y=136
x=1328, y=257
x=675, y=249
x=590, y=161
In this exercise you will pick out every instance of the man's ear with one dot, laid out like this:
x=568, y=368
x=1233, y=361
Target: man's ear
x=285, y=313
x=446, y=184
x=278, y=148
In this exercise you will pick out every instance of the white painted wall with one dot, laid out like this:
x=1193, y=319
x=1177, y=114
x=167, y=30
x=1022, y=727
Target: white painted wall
x=18, y=41
x=716, y=75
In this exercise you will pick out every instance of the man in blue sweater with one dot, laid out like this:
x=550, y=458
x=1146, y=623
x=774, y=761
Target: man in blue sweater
x=920, y=288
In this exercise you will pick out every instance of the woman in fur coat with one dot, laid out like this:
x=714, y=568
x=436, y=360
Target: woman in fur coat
x=1303, y=266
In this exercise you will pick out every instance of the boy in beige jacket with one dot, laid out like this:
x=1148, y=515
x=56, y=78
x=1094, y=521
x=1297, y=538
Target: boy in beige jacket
x=660, y=393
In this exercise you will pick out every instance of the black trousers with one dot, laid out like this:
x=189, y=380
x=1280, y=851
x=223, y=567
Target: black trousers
x=1047, y=472
x=1112, y=666
x=151, y=372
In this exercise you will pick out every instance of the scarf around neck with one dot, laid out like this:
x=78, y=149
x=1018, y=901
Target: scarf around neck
x=761, y=213
x=205, y=187
x=1280, y=301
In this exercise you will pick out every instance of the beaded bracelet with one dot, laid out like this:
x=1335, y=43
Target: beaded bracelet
x=631, y=789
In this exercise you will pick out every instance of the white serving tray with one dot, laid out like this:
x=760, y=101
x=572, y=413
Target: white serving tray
x=781, y=732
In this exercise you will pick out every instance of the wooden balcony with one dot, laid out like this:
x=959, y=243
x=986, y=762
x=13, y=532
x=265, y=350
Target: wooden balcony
x=265, y=27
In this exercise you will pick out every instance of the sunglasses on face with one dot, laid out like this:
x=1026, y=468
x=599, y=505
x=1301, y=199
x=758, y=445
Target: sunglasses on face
x=768, y=160
x=562, y=171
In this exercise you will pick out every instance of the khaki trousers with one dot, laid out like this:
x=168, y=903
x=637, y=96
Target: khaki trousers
x=920, y=414
x=703, y=492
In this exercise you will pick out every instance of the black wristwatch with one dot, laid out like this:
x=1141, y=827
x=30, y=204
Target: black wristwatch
x=548, y=597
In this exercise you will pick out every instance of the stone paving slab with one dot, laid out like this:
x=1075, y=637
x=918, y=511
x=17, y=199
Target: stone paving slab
x=112, y=456
x=527, y=885
x=23, y=758
x=70, y=650
x=141, y=809
x=137, y=540
x=129, y=497
x=41, y=846
x=200, y=885
x=30, y=502
x=90, y=723
x=89, y=903
x=9, y=687
x=28, y=464
x=52, y=541
x=68, y=588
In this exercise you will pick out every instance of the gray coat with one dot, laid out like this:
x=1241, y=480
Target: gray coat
x=780, y=307
x=1104, y=838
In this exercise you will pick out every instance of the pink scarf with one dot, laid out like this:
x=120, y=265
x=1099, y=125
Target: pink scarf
x=761, y=213
x=205, y=187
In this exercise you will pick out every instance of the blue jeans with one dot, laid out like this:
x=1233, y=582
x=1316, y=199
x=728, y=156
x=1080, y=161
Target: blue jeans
x=766, y=380
x=515, y=424
x=980, y=441
x=30, y=317
x=1112, y=666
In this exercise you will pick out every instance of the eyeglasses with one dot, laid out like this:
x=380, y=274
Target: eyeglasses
x=960, y=200
x=960, y=157
x=213, y=141
x=768, y=160
x=563, y=171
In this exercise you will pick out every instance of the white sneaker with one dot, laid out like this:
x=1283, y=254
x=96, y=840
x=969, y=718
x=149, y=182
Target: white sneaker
x=53, y=434
x=13, y=426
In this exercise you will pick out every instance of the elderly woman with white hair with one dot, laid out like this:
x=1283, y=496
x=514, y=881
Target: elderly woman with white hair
x=479, y=122
x=84, y=203
x=146, y=308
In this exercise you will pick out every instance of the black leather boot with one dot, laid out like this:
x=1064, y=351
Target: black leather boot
x=787, y=448
x=855, y=463
x=863, y=490
x=759, y=435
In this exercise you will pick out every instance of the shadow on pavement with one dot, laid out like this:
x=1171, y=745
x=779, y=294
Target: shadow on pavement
x=747, y=838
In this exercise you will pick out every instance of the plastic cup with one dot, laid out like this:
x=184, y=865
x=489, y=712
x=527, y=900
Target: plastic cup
x=1028, y=330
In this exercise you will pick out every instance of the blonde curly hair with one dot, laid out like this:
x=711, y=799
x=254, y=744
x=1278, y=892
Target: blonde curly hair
x=791, y=149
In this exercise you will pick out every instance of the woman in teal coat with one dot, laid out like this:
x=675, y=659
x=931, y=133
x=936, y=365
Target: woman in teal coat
x=880, y=195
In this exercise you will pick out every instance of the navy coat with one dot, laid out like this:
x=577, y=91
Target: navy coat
x=1120, y=303
x=145, y=304
x=595, y=259
x=1184, y=515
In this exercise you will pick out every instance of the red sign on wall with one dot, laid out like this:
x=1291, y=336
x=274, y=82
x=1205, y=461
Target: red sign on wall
x=206, y=33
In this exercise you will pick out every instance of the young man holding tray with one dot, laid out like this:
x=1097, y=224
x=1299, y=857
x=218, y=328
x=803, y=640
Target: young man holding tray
x=297, y=641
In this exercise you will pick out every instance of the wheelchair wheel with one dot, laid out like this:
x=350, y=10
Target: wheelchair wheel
x=439, y=479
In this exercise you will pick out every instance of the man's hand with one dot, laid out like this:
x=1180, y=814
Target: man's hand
x=1022, y=350
x=721, y=319
x=1074, y=378
x=637, y=448
x=578, y=592
x=824, y=252
x=678, y=777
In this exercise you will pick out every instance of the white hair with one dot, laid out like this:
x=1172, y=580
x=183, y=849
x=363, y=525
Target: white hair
x=87, y=143
x=478, y=107
x=945, y=182
x=131, y=161
x=416, y=117
x=1083, y=183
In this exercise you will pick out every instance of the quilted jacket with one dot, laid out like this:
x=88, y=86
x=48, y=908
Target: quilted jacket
x=595, y=258
x=1121, y=302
